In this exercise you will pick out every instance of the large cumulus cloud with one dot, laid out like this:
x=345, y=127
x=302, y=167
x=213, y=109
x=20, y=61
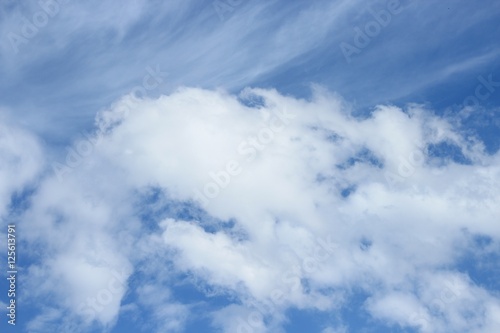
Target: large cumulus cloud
x=301, y=203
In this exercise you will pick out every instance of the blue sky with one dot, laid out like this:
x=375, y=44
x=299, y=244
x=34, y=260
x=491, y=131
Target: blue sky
x=251, y=166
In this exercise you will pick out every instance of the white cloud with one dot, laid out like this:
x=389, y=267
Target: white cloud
x=279, y=188
x=296, y=241
x=22, y=156
x=234, y=318
x=169, y=316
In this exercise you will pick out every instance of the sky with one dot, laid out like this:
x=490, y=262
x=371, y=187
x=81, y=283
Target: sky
x=250, y=166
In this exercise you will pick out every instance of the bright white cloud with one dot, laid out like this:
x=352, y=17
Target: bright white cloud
x=277, y=171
